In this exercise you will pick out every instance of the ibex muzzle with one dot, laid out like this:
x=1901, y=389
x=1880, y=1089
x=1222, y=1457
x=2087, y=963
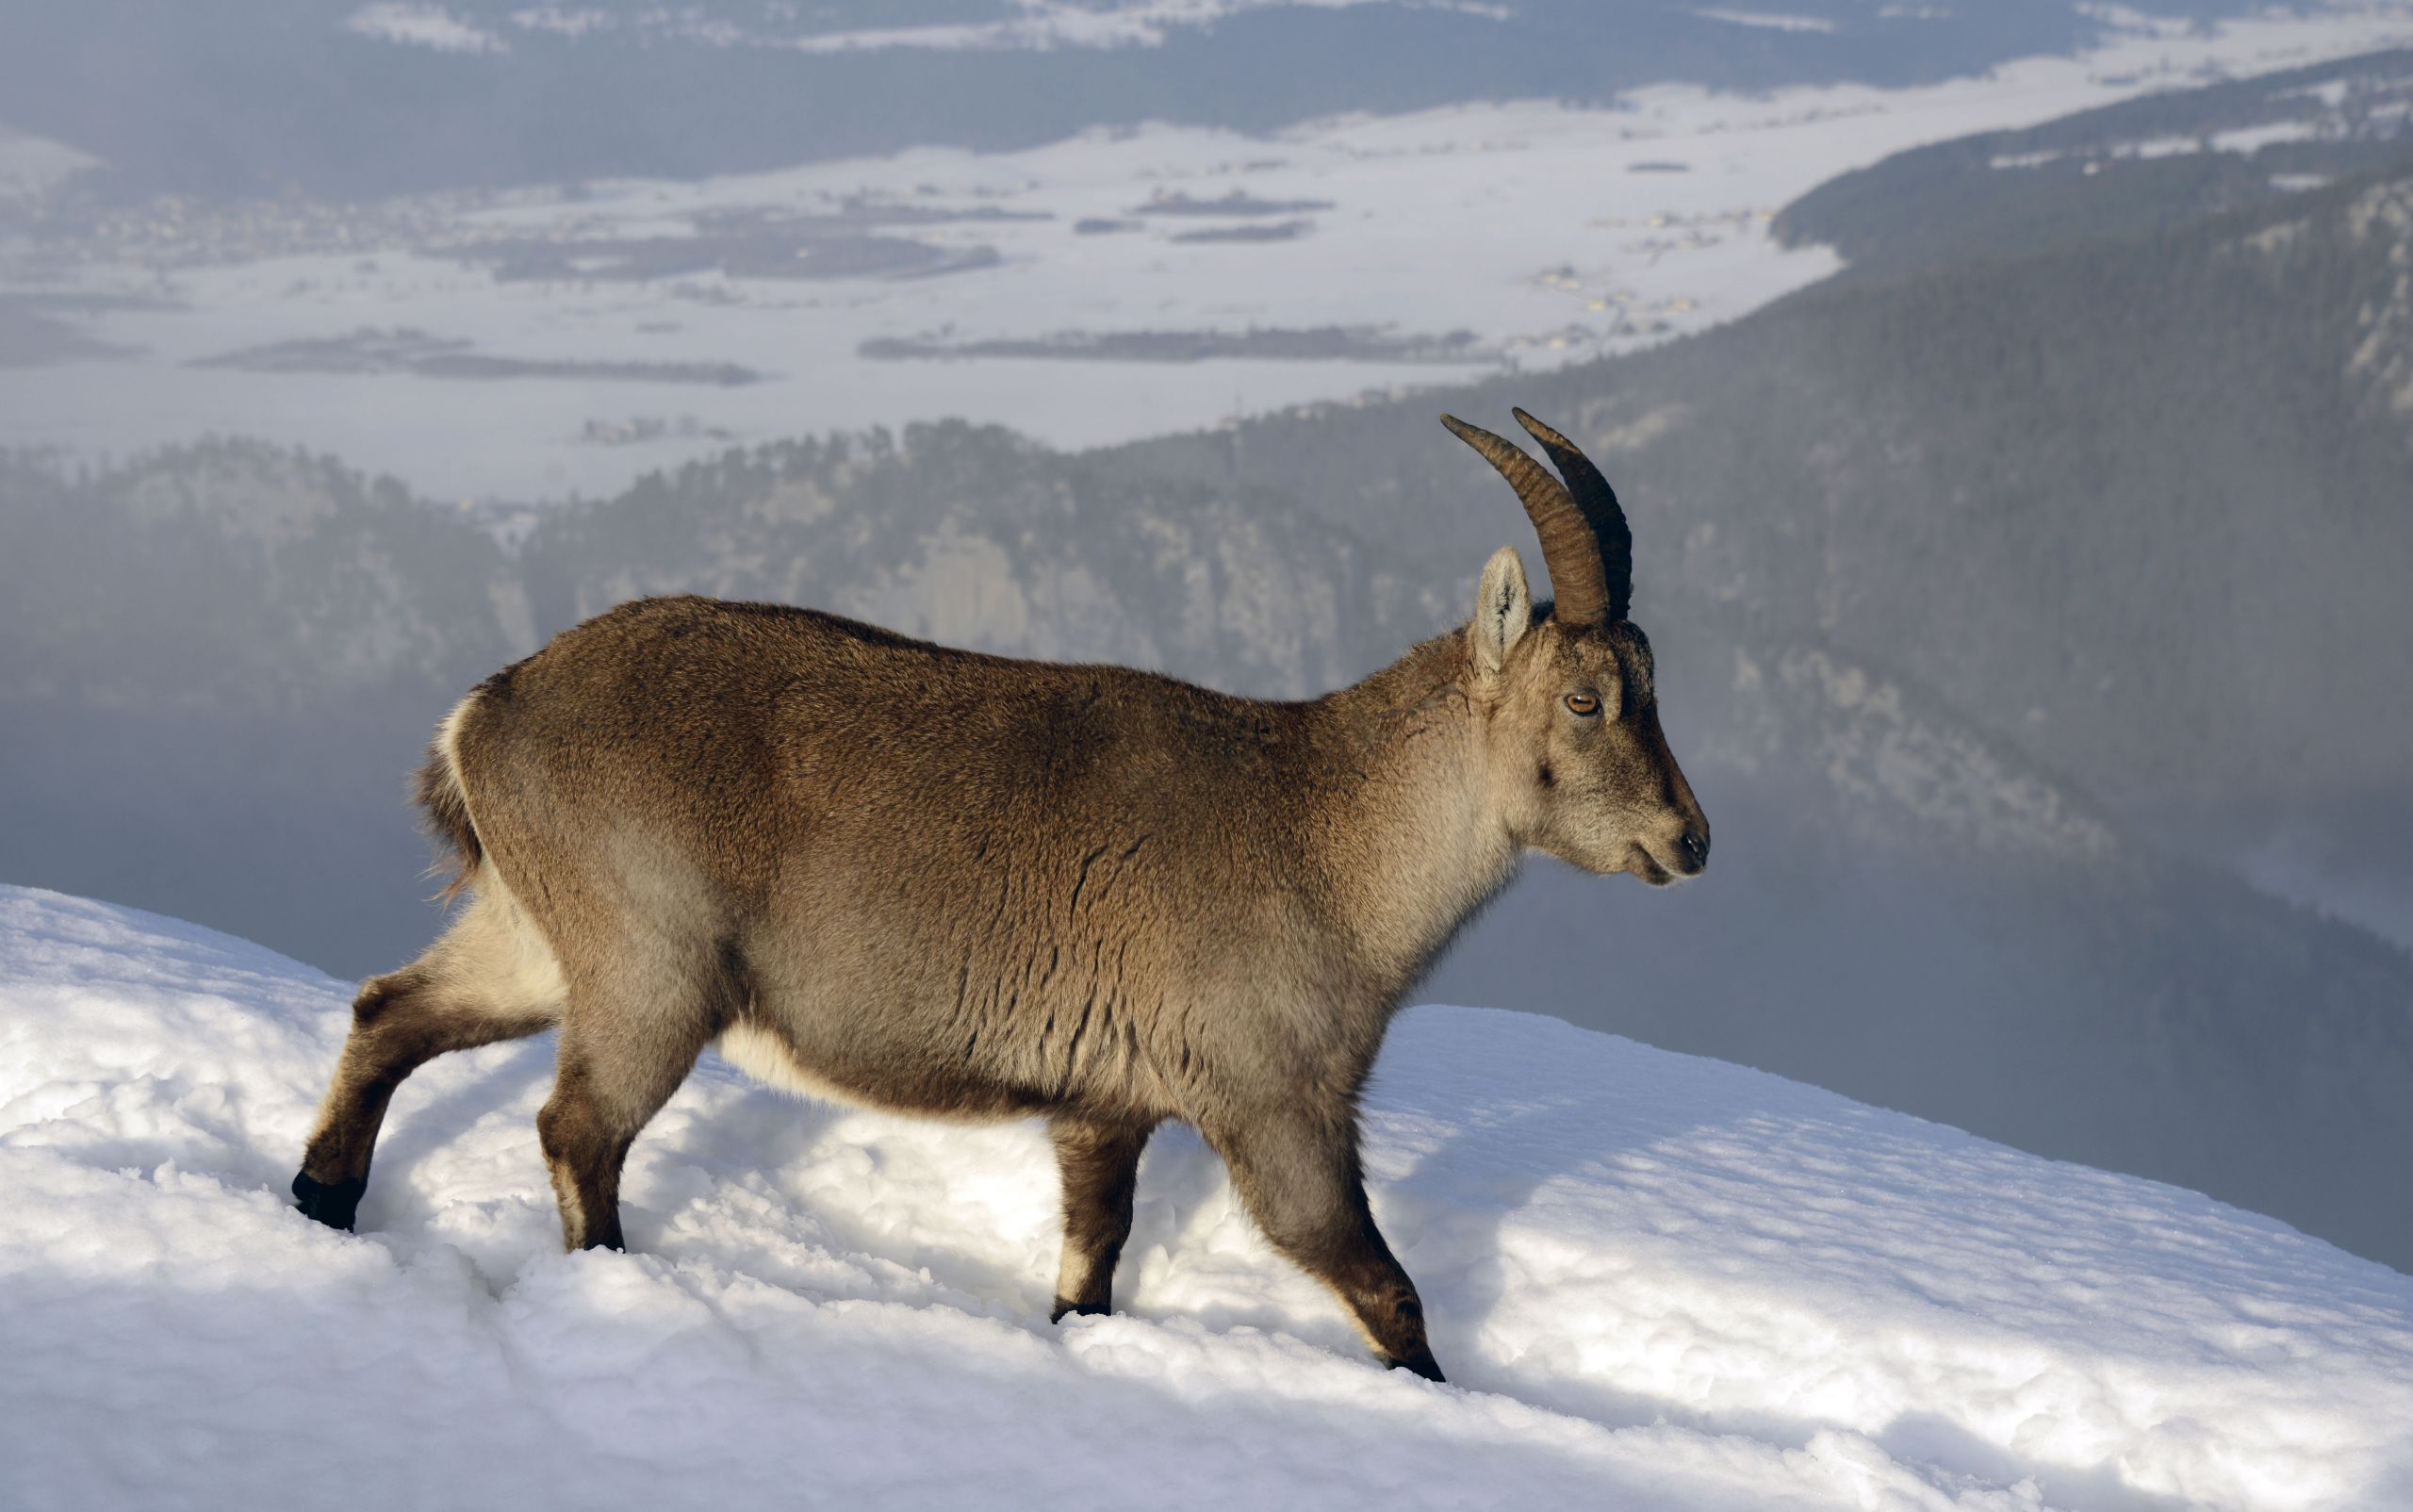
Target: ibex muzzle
x=883, y=871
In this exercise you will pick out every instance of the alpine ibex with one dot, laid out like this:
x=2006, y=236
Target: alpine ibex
x=925, y=880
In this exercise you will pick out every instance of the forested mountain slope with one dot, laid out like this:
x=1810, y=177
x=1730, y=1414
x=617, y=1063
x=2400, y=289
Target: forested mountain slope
x=2154, y=163
x=2142, y=504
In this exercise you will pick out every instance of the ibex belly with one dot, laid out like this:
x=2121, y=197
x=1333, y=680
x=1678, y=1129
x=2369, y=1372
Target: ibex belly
x=925, y=1086
x=762, y=1054
x=911, y=1021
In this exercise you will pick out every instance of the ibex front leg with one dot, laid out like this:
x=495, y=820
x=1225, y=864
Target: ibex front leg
x=1100, y=1163
x=1296, y=1168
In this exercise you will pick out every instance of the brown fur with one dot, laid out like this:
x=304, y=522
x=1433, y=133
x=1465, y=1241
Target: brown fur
x=953, y=884
x=447, y=817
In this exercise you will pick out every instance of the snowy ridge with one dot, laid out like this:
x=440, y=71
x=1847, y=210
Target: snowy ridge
x=1043, y=23
x=1657, y=1281
x=1024, y=25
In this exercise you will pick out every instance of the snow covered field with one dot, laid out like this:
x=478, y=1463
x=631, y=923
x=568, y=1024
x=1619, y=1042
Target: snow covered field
x=1551, y=235
x=1658, y=1282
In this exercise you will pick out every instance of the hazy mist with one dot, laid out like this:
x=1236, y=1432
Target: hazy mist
x=2025, y=537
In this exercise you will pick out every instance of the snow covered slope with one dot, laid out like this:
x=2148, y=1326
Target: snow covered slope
x=1658, y=1282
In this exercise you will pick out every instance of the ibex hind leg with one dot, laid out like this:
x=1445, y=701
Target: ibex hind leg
x=629, y=1038
x=490, y=977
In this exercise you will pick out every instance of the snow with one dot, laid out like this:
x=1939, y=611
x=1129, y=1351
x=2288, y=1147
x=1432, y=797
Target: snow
x=2243, y=140
x=1765, y=20
x=1044, y=25
x=1657, y=1281
x=1031, y=25
x=31, y=167
x=1554, y=235
x=417, y=26
x=2252, y=140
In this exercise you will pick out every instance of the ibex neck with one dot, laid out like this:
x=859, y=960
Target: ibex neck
x=1408, y=828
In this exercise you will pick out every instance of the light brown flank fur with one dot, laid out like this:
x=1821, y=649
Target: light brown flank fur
x=954, y=884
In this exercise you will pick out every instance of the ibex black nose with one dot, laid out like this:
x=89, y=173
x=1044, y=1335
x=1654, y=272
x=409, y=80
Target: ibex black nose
x=1695, y=845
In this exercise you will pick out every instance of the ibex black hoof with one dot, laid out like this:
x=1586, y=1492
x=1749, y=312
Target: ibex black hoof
x=335, y=1205
x=1067, y=1309
x=1423, y=1364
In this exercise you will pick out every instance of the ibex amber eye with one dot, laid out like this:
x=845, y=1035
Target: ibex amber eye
x=1582, y=704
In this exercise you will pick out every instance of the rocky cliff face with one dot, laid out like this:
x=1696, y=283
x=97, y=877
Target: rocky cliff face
x=2380, y=223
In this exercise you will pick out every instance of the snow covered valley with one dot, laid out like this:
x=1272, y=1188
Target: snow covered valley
x=1657, y=1282
x=531, y=343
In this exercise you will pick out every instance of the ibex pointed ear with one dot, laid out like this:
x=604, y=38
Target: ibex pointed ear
x=1504, y=609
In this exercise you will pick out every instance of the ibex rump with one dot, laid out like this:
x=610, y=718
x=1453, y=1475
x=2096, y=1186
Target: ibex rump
x=954, y=884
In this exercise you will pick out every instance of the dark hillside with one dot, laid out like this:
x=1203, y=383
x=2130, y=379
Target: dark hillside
x=2144, y=505
x=2141, y=167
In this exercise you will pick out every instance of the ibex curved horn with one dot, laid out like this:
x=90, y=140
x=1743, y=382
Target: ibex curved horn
x=1585, y=543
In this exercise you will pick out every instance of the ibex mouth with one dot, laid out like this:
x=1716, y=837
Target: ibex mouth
x=1640, y=862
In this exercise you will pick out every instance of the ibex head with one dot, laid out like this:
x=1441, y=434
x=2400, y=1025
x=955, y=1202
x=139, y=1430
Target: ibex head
x=1581, y=767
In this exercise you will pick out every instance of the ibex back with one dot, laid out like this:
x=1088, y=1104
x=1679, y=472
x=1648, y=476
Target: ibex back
x=918, y=878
